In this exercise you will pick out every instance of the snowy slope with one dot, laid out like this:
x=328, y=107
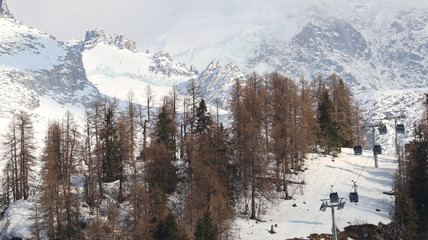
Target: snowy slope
x=117, y=70
x=36, y=69
x=321, y=173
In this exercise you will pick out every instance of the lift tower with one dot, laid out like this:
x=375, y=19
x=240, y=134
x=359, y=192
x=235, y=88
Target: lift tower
x=399, y=128
x=373, y=127
x=332, y=203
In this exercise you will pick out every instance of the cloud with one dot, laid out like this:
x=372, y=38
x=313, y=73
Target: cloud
x=152, y=20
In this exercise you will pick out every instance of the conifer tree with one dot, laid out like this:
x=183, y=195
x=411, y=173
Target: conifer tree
x=59, y=201
x=203, y=118
x=249, y=143
x=205, y=228
x=342, y=113
x=168, y=229
x=329, y=136
x=160, y=169
x=413, y=196
x=210, y=188
x=19, y=151
x=111, y=160
x=165, y=130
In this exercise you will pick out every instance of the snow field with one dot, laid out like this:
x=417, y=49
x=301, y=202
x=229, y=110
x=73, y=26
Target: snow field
x=322, y=172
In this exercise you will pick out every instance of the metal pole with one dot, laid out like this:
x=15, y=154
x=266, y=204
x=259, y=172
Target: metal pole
x=334, y=229
x=396, y=137
x=375, y=161
x=374, y=143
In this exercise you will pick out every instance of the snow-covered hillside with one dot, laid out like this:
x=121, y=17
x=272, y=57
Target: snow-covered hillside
x=39, y=74
x=293, y=221
x=322, y=172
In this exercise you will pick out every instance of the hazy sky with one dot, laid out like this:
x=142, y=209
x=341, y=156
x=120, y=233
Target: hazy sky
x=144, y=19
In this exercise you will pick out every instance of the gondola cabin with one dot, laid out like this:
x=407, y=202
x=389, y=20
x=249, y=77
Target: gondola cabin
x=334, y=197
x=358, y=150
x=353, y=197
x=377, y=149
x=382, y=129
x=399, y=128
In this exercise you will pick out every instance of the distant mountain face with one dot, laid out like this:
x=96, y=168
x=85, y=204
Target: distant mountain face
x=216, y=82
x=390, y=57
x=97, y=36
x=34, y=65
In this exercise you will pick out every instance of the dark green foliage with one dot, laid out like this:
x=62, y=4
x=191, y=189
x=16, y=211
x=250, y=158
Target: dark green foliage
x=111, y=162
x=205, y=229
x=418, y=179
x=165, y=130
x=168, y=229
x=203, y=118
x=329, y=136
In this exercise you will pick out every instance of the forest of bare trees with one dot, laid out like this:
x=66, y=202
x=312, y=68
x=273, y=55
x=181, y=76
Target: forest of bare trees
x=134, y=172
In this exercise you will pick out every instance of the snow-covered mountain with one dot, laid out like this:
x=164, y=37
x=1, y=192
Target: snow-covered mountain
x=216, y=82
x=380, y=52
x=35, y=68
x=114, y=65
x=328, y=44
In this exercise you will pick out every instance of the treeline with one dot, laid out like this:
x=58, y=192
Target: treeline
x=128, y=173
x=411, y=184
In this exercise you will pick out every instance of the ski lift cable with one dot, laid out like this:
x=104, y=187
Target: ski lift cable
x=338, y=175
x=315, y=222
x=318, y=212
x=355, y=183
x=363, y=169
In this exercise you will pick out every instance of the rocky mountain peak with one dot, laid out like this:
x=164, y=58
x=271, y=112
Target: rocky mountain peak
x=163, y=63
x=96, y=36
x=4, y=10
x=216, y=82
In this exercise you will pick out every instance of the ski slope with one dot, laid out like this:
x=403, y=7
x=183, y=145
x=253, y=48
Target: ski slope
x=322, y=172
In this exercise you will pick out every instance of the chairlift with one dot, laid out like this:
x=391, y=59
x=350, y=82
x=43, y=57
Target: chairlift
x=382, y=129
x=399, y=128
x=353, y=196
x=358, y=150
x=377, y=149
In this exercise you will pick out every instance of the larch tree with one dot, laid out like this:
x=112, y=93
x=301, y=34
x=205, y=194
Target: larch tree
x=59, y=202
x=252, y=162
x=284, y=126
x=19, y=149
x=342, y=113
x=210, y=189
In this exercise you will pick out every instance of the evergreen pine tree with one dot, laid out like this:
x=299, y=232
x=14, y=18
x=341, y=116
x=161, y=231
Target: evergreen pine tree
x=329, y=136
x=165, y=130
x=168, y=229
x=205, y=228
x=203, y=118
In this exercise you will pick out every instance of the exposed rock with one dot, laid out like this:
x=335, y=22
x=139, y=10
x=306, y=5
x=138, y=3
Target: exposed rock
x=96, y=36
